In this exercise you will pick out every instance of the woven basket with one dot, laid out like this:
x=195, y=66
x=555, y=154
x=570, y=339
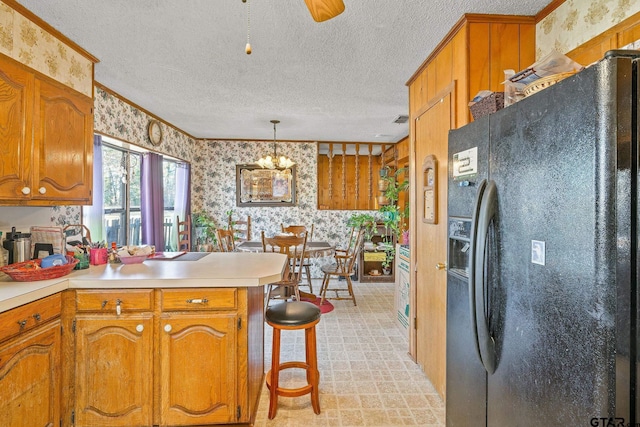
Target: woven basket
x=487, y=105
x=30, y=271
x=545, y=82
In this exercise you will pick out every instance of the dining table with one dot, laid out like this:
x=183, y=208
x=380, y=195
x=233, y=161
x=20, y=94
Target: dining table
x=314, y=249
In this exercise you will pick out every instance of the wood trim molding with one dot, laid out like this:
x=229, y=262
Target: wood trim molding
x=147, y=112
x=449, y=90
x=548, y=9
x=45, y=26
x=468, y=18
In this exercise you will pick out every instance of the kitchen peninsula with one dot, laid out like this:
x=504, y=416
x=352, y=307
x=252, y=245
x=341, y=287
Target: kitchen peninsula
x=158, y=343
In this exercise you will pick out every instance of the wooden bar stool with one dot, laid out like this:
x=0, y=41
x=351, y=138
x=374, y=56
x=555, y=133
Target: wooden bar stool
x=294, y=315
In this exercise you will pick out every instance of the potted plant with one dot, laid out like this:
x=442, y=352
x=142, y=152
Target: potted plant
x=393, y=217
x=390, y=253
x=364, y=221
x=205, y=227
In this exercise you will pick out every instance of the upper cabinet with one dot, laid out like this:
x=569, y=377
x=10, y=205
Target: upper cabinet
x=47, y=132
x=46, y=113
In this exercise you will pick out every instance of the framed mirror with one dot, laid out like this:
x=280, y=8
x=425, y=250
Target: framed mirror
x=256, y=186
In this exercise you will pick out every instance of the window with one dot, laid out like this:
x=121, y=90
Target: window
x=121, y=195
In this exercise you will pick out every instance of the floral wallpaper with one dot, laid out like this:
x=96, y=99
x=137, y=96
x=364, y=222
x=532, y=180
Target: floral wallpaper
x=114, y=117
x=29, y=44
x=213, y=173
x=577, y=21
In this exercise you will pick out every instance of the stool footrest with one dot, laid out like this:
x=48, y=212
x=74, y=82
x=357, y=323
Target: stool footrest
x=291, y=392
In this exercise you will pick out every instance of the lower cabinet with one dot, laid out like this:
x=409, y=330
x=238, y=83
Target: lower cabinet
x=114, y=370
x=166, y=357
x=30, y=364
x=198, y=369
x=30, y=379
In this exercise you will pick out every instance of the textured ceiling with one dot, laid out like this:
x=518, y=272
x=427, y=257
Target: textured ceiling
x=339, y=80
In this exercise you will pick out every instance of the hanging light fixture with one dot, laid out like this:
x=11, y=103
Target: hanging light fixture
x=247, y=48
x=275, y=162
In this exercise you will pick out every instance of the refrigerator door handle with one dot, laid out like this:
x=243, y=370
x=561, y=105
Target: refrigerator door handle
x=486, y=214
x=472, y=264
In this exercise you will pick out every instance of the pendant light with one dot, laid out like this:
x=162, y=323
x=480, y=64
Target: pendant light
x=275, y=162
x=247, y=48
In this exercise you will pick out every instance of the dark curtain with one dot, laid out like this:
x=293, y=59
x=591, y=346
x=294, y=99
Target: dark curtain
x=152, y=201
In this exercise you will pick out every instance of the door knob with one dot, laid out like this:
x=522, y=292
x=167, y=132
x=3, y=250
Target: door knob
x=42, y=190
x=441, y=266
x=26, y=190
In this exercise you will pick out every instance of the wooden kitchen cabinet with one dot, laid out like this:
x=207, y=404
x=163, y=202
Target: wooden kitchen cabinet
x=114, y=370
x=114, y=358
x=30, y=364
x=198, y=369
x=199, y=366
x=167, y=357
x=47, y=132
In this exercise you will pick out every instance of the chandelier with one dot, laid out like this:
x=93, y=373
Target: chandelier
x=275, y=162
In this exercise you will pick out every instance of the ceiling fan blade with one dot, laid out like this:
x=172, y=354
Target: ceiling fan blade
x=322, y=10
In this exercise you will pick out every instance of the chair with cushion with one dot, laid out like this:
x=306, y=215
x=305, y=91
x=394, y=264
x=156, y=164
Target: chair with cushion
x=344, y=266
x=241, y=228
x=226, y=242
x=293, y=247
x=184, y=233
x=297, y=230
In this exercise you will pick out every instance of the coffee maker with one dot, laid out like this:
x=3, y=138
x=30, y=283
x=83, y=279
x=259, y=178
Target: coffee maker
x=18, y=245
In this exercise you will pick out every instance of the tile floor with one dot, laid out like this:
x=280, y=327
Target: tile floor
x=366, y=375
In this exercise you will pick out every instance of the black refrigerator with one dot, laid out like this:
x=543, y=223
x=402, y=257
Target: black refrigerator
x=542, y=310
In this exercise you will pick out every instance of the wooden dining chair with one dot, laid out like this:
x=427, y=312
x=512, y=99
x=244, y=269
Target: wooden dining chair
x=350, y=242
x=343, y=266
x=184, y=233
x=241, y=228
x=294, y=248
x=226, y=241
x=298, y=230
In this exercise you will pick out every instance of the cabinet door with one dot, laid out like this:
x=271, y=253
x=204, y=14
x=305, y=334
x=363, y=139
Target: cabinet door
x=114, y=365
x=16, y=129
x=30, y=378
x=198, y=369
x=63, y=140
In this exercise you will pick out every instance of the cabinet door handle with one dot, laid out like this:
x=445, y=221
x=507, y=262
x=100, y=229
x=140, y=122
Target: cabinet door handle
x=26, y=190
x=167, y=328
x=441, y=266
x=37, y=317
x=42, y=190
x=140, y=328
x=118, y=307
x=197, y=301
x=22, y=323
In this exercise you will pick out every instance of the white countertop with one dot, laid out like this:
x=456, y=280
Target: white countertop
x=217, y=269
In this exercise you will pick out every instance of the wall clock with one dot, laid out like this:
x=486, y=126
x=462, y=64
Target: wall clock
x=155, y=132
